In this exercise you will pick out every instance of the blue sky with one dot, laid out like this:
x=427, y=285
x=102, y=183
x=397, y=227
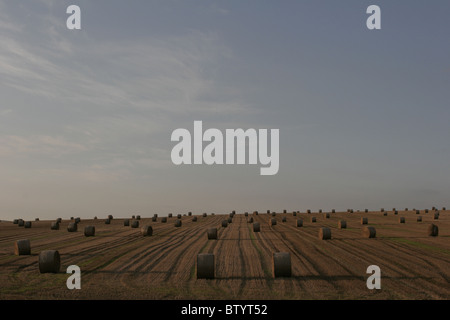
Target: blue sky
x=86, y=116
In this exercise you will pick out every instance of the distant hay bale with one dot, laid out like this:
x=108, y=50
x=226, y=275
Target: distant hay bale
x=21, y=223
x=54, y=225
x=212, y=233
x=433, y=230
x=313, y=219
x=436, y=216
x=274, y=214
x=369, y=232
x=164, y=219
x=393, y=209
x=135, y=224
x=22, y=247
x=281, y=264
x=37, y=219
x=401, y=220
x=133, y=217
x=138, y=217
x=27, y=224
x=178, y=216
x=417, y=211
x=233, y=212
x=108, y=221
x=366, y=210
x=284, y=219
x=194, y=219
x=268, y=211
x=443, y=209
x=71, y=218
x=406, y=209
x=204, y=215
x=147, y=231
x=433, y=208
x=272, y=222
x=299, y=223
x=250, y=220
x=385, y=214
x=364, y=220
x=284, y=211
x=246, y=214
x=49, y=261
x=59, y=220
x=178, y=223
x=72, y=227
x=95, y=218
x=126, y=222
x=224, y=223
x=333, y=210
x=89, y=231
x=205, y=266
x=154, y=219
x=308, y=211
x=294, y=214
x=326, y=215
x=110, y=217
x=256, y=227
x=16, y=221
x=170, y=215
x=396, y=212
x=342, y=224
x=230, y=220
x=382, y=209
x=320, y=210
x=324, y=233
x=419, y=219
x=426, y=210
x=255, y=213
x=77, y=220
x=189, y=213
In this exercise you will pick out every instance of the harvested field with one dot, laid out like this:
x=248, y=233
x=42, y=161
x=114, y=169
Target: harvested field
x=118, y=263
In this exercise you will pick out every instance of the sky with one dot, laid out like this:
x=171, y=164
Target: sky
x=86, y=116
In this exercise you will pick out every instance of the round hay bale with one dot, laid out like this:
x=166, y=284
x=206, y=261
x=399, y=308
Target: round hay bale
x=230, y=220
x=385, y=214
x=89, y=231
x=233, y=212
x=369, y=232
x=246, y=214
x=204, y=215
x=154, y=219
x=351, y=210
x=443, y=209
x=72, y=227
x=135, y=224
x=71, y=218
x=406, y=209
x=155, y=215
x=417, y=211
x=324, y=233
x=272, y=222
x=133, y=217
x=205, y=266
x=268, y=211
x=299, y=223
x=326, y=215
x=433, y=208
x=256, y=227
x=164, y=219
x=284, y=219
x=194, y=219
x=77, y=220
x=37, y=219
x=54, y=225
x=342, y=224
x=21, y=223
x=126, y=222
x=333, y=210
x=255, y=213
x=313, y=219
x=170, y=215
x=433, y=230
x=274, y=214
x=426, y=210
x=110, y=217
x=189, y=214
x=59, y=220
x=108, y=221
x=281, y=264
x=419, y=219
x=178, y=223
x=212, y=233
x=396, y=212
x=284, y=211
x=393, y=209
x=366, y=210
x=401, y=220
x=382, y=209
x=178, y=216
x=27, y=224
x=436, y=216
x=147, y=231
x=16, y=221
x=49, y=261
x=95, y=218
x=364, y=220
x=224, y=223
x=250, y=220
x=138, y=217
x=320, y=210
x=294, y=214
x=22, y=247
x=308, y=211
